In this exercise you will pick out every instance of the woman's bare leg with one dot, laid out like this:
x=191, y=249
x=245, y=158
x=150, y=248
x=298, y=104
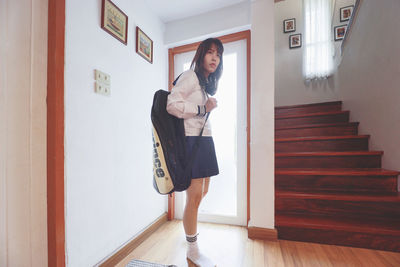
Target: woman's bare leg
x=194, y=195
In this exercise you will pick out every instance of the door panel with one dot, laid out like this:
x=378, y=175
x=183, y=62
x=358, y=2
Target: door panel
x=226, y=199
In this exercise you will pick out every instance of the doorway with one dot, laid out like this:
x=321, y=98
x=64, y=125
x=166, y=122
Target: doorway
x=229, y=125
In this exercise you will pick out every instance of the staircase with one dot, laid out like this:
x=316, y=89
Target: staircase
x=329, y=187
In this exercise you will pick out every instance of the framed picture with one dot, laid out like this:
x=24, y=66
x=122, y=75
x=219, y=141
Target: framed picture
x=289, y=25
x=340, y=31
x=114, y=21
x=144, y=45
x=345, y=13
x=295, y=41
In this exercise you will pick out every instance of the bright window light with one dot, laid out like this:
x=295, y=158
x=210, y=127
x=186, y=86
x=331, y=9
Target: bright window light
x=318, y=48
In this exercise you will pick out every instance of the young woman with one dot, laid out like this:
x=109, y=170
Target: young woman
x=189, y=100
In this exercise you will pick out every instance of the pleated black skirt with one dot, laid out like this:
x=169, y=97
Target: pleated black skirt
x=205, y=161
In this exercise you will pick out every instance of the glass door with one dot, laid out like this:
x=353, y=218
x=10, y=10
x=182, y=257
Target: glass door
x=226, y=198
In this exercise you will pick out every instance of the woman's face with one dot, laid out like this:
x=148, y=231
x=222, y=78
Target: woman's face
x=211, y=60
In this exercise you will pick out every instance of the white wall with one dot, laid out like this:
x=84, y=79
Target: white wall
x=369, y=76
x=290, y=88
x=23, y=79
x=223, y=21
x=262, y=115
x=108, y=146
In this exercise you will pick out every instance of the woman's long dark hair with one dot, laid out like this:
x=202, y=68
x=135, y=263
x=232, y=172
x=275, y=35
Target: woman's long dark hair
x=210, y=85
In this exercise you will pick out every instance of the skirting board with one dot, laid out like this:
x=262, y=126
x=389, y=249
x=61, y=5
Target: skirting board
x=262, y=233
x=122, y=253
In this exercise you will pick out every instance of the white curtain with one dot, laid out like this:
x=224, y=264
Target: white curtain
x=318, y=45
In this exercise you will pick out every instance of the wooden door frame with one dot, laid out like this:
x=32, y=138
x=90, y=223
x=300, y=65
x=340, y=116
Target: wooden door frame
x=55, y=133
x=243, y=35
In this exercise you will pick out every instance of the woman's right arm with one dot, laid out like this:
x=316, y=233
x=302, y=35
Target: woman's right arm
x=177, y=103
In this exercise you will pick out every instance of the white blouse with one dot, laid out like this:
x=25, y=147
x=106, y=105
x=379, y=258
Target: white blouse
x=187, y=101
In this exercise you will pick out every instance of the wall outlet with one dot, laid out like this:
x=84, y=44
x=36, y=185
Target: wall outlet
x=103, y=83
x=107, y=90
x=102, y=77
x=102, y=89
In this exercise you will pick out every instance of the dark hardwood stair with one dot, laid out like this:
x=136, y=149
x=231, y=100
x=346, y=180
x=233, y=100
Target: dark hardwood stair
x=334, y=180
x=340, y=231
x=308, y=108
x=329, y=188
x=371, y=207
x=312, y=118
x=324, y=129
x=346, y=159
x=322, y=143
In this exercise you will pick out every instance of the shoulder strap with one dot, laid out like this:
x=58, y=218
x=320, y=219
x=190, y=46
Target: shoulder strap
x=202, y=129
x=176, y=80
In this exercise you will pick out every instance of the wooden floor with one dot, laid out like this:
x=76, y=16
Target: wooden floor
x=229, y=246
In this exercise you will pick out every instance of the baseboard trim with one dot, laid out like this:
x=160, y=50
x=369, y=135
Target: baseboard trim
x=262, y=233
x=123, y=252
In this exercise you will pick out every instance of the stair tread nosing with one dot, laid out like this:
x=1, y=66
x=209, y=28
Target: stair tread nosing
x=322, y=154
x=320, y=125
x=310, y=105
x=367, y=197
x=338, y=224
x=318, y=138
x=307, y=115
x=337, y=171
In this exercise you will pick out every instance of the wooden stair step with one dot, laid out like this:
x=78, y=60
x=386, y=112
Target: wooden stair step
x=314, y=125
x=338, y=171
x=336, y=180
x=347, y=159
x=328, y=187
x=339, y=231
x=324, y=129
x=367, y=197
x=372, y=207
x=341, y=224
x=322, y=143
x=313, y=118
x=310, y=115
x=309, y=108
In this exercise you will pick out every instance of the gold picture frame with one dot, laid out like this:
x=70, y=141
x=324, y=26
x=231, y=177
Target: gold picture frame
x=114, y=21
x=144, y=45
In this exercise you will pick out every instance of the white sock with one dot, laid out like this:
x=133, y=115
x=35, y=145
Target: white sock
x=194, y=254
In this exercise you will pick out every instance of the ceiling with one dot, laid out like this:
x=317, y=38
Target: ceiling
x=169, y=10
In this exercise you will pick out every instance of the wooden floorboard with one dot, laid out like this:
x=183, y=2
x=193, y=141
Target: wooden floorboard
x=229, y=246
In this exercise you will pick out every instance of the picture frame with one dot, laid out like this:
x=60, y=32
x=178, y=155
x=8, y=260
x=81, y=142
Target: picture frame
x=345, y=13
x=289, y=25
x=295, y=41
x=144, y=45
x=340, y=32
x=114, y=21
